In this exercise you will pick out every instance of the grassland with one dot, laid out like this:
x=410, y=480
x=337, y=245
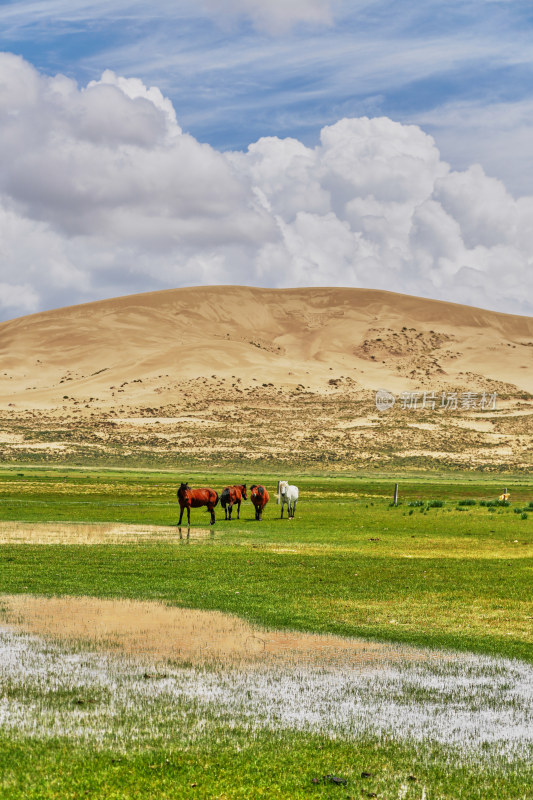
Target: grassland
x=453, y=576
x=350, y=564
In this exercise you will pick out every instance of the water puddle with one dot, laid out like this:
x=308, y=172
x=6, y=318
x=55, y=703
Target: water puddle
x=95, y=533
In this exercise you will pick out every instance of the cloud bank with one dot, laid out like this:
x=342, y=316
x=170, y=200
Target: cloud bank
x=103, y=194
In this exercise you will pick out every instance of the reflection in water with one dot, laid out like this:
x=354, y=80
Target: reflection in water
x=95, y=533
x=188, y=533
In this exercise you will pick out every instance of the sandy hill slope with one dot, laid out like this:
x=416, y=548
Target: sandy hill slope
x=193, y=355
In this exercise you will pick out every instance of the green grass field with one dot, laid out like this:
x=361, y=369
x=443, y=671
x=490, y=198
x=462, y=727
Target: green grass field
x=429, y=572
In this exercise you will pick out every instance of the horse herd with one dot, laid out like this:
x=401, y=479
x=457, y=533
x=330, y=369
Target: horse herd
x=233, y=496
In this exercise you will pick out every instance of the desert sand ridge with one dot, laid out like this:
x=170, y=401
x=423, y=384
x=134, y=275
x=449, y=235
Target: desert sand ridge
x=203, y=330
x=373, y=300
x=204, y=361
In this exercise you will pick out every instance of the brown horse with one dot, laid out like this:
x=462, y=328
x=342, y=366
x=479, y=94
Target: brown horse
x=194, y=498
x=259, y=497
x=232, y=495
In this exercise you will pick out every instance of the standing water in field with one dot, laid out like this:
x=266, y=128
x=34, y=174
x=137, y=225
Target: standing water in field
x=477, y=707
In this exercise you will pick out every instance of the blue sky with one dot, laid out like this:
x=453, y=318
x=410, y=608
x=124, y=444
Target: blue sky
x=378, y=143
x=234, y=77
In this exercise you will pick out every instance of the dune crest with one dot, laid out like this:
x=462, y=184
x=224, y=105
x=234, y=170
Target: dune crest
x=181, y=359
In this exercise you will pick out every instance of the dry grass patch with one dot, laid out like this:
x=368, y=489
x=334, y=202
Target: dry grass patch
x=440, y=615
x=468, y=547
x=164, y=633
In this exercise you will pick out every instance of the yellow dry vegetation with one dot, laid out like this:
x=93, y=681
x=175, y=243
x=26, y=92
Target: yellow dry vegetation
x=164, y=633
x=467, y=547
x=441, y=615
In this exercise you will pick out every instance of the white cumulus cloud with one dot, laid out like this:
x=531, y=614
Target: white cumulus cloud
x=102, y=194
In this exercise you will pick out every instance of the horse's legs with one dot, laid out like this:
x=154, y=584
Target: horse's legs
x=294, y=509
x=226, y=512
x=181, y=514
x=188, y=516
x=230, y=509
x=212, y=510
x=238, y=509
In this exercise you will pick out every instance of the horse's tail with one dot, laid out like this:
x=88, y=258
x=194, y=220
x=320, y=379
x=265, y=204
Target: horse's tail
x=278, y=496
x=224, y=498
x=217, y=499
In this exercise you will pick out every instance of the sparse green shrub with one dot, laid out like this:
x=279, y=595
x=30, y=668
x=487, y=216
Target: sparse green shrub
x=416, y=503
x=435, y=504
x=467, y=502
x=523, y=515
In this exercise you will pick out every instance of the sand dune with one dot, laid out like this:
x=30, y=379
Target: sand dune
x=174, y=352
x=261, y=333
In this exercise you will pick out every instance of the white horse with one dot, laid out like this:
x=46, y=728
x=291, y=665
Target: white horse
x=289, y=495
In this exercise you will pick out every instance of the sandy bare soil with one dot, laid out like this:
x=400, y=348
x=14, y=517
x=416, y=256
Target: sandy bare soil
x=212, y=374
x=165, y=633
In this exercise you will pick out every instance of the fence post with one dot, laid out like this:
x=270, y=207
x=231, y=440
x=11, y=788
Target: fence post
x=395, y=494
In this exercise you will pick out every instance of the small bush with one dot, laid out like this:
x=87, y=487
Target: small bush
x=416, y=503
x=466, y=503
x=435, y=504
x=523, y=515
